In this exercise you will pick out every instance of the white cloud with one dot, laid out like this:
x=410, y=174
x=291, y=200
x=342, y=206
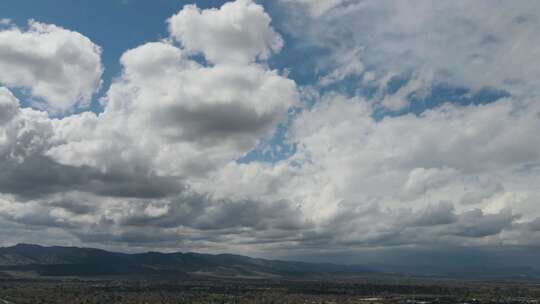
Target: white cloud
x=481, y=190
x=5, y=21
x=238, y=32
x=421, y=180
x=167, y=119
x=9, y=106
x=364, y=182
x=158, y=166
x=59, y=66
x=318, y=7
x=171, y=113
x=419, y=84
x=464, y=44
x=23, y=132
x=349, y=64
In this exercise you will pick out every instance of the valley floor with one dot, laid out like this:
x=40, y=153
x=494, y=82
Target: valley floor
x=204, y=290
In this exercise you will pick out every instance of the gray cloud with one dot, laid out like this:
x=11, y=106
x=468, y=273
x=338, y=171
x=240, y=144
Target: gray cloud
x=475, y=223
x=158, y=169
x=9, y=106
x=217, y=123
x=204, y=213
x=535, y=224
x=75, y=205
x=40, y=175
x=440, y=214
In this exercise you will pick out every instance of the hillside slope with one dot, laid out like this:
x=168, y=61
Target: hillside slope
x=74, y=261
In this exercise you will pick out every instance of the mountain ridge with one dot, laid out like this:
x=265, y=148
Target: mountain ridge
x=80, y=261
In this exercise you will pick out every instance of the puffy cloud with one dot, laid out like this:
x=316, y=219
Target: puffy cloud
x=167, y=119
x=369, y=182
x=24, y=132
x=158, y=167
x=205, y=213
x=210, y=103
x=535, y=225
x=421, y=180
x=483, y=189
x=338, y=133
x=9, y=106
x=238, y=32
x=475, y=223
x=28, y=136
x=175, y=116
x=440, y=214
x=56, y=65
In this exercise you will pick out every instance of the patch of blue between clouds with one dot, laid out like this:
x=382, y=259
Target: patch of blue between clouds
x=441, y=94
x=274, y=148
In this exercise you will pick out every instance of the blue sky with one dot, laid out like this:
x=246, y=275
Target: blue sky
x=291, y=128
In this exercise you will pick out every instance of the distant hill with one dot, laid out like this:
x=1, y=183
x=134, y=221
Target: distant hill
x=35, y=260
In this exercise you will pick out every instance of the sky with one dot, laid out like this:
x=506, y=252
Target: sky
x=321, y=130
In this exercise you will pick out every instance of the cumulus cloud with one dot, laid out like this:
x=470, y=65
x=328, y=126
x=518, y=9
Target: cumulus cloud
x=170, y=114
x=212, y=103
x=168, y=119
x=25, y=132
x=59, y=67
x=28, y=172
x=483, y=189
x=9, y=106
x=367, y=182
x=160, y=166
x=421, y=180
x=440, y=214
x=238, y=32
x=535, y=225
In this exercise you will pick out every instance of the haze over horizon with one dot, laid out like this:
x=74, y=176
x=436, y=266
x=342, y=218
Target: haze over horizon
x=347, y=131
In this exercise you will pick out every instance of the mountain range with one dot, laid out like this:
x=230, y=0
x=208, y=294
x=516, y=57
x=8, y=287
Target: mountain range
x=27, y=260
x=40, y=261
